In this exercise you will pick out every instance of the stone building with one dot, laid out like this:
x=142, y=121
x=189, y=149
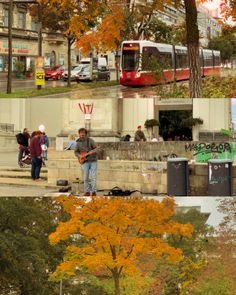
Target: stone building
x=25, y=39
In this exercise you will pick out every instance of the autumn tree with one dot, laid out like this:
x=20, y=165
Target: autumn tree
x=219, y=275
x=112, y=233
x=73, y=18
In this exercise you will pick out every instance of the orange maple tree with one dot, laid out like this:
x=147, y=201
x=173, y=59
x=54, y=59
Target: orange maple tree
x=113, y=232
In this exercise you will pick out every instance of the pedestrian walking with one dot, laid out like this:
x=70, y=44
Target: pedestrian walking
x=139, y=134
x=36, y=155
x=86, y=152
x=23, y=141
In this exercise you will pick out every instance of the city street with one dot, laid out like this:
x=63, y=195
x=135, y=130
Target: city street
x=30, y=83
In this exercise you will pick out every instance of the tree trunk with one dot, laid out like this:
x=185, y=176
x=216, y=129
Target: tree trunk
x=9, y=73
x=195, y=81
x=116, y=282
x=69, y=60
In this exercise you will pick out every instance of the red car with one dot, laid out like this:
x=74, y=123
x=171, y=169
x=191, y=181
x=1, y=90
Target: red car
x=54, y=73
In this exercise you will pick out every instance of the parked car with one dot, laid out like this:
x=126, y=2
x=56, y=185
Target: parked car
x=54, y=73
x=74, y=72
x=103, y=73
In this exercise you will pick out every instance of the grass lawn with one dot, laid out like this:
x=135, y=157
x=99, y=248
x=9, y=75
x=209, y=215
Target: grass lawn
x=27, y=93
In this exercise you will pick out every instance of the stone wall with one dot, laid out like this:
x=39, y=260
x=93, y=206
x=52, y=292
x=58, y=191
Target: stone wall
x=145, y=151
x=8, y=142
x=149, y=177
x=135, y=166
x=145, y=176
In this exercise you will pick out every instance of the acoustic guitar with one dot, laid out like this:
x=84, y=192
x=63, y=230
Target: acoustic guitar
x=83, y=155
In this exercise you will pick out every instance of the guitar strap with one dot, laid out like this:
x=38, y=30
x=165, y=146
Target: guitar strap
x=88, y=144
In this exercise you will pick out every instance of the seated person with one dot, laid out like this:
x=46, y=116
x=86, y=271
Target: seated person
x=72, y=142
x=125, y=138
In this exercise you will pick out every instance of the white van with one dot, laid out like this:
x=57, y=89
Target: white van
x=102, y=61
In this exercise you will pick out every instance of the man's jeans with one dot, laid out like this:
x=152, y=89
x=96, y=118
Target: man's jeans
x=36, y=167
x=92, y=167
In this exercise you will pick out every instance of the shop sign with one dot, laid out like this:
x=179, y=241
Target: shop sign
x=39, y=77
x=19, y=48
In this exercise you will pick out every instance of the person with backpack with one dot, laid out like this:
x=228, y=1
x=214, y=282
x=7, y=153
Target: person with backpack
x=23, y=141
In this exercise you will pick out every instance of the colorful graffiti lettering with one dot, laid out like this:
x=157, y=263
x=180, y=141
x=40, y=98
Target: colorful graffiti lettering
x=203, y=152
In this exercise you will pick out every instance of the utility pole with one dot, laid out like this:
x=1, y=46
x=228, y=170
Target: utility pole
x=10, y=21
x=9, y=73
x=40, y=51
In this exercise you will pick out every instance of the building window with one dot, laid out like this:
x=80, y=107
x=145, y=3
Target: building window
x=21, y=20
x=34, y=25
x=5, y=17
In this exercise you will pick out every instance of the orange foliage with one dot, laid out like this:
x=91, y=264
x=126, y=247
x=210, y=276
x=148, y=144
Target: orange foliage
x=108, y=34
x=113, y=232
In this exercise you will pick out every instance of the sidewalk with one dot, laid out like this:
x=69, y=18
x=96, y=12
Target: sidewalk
x=3, y=77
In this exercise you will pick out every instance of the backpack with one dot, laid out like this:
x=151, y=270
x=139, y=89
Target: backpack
x=20, y=138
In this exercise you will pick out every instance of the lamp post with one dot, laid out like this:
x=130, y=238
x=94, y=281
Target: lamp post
x=10, y=21
x=9, y=73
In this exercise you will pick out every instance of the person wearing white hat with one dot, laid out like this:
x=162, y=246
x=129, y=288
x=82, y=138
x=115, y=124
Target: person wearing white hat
x=42, y=128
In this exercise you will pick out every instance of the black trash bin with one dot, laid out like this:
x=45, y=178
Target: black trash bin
x=177, y=176
x=220, y=177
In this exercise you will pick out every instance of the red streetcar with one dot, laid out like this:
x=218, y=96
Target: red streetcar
x=136, y=67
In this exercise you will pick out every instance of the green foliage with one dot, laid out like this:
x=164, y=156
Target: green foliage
x=159, y=31
x=192, y=122
x=150, y=123
x=215, y=286
x=213, y=87
x=225, y=43
x=28, y=93
x=176, y=279
x=20, y=66
x=26, y=257
x=175, y=124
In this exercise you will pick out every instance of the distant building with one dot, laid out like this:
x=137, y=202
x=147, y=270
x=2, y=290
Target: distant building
x=25, y=39
x=208, y=25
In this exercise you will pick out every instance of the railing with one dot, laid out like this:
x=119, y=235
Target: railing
x=4, y=127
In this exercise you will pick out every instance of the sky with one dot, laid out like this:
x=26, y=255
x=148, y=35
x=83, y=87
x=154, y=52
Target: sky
x=211, y=5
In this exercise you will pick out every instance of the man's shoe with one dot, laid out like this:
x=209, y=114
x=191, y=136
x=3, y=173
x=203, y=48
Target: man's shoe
x=94, y=194
x=87, y=194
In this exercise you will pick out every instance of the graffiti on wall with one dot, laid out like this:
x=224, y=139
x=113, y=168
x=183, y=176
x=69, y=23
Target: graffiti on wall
x=202, y=152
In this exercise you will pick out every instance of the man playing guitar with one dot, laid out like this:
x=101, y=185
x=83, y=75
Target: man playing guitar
x=86, y=153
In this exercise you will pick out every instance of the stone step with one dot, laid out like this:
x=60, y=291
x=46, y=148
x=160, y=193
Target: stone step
x=20, y=174
x=17, y=168
x=27, y=183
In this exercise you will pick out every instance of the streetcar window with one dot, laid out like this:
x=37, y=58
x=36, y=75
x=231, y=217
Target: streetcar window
x=130, y=57
x=181, y=60
x=153, y=60
x=216, y=60
x=208, y=59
